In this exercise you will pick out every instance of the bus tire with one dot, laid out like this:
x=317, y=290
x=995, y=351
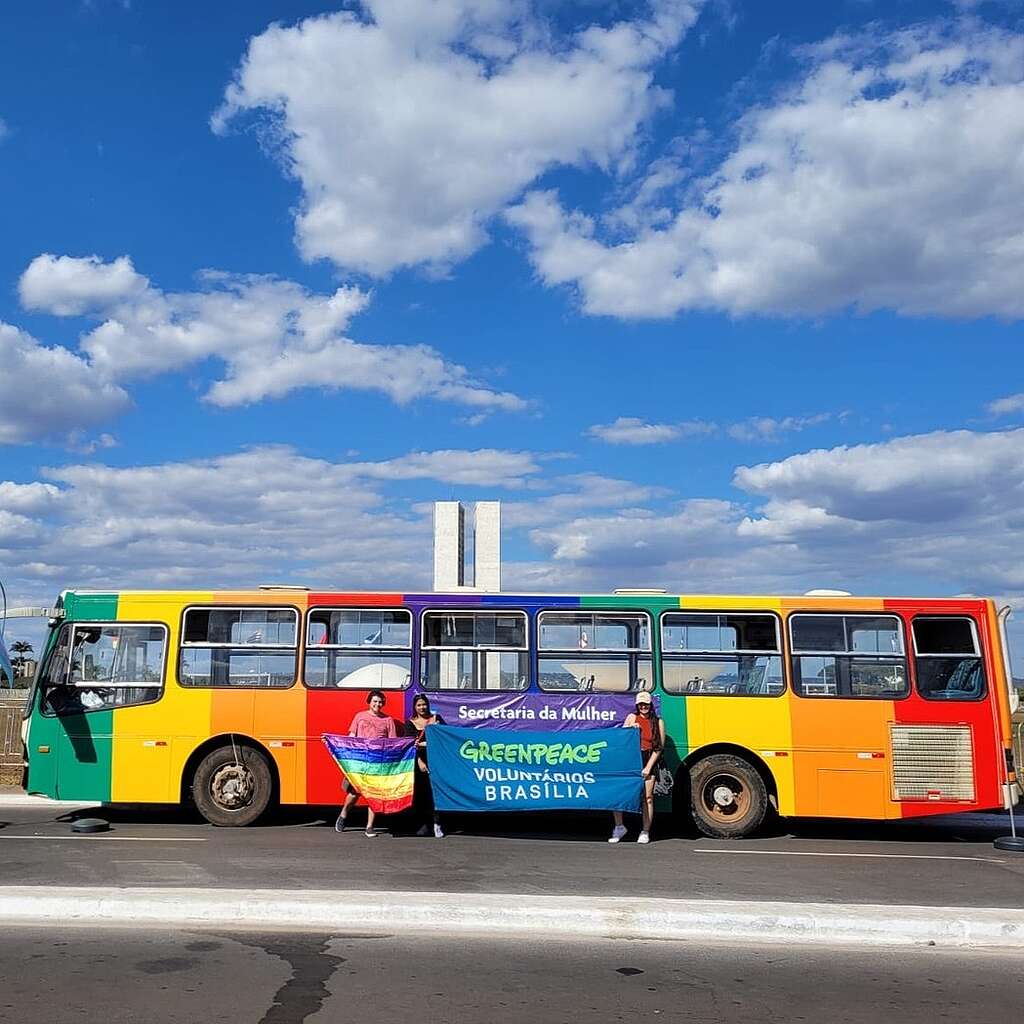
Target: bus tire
x=728, y=798
x=232, y=786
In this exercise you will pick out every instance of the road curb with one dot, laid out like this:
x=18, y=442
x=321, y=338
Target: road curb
x=506, y=914
x=25, y=800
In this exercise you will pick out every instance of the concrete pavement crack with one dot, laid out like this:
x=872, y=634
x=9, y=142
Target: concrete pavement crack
x=305, y=991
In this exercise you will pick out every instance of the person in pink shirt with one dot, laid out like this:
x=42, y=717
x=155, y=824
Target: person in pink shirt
x=371, y=725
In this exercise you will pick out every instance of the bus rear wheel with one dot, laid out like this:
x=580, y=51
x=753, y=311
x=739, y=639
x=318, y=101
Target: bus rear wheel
x=728, y=798
x=232, y=786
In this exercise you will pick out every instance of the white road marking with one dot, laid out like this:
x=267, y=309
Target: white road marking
x=113, y=839
x=882, y=856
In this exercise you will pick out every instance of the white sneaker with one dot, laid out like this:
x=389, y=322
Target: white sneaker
x=644, y=837
x=371, y=833
x=438, y=832
x=617, y=833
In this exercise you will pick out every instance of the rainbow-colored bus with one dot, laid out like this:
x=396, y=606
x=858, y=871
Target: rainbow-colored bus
x=825, y=706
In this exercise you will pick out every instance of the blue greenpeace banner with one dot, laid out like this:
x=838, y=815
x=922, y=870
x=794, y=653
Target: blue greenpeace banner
x=499, y=770
x=561, y=711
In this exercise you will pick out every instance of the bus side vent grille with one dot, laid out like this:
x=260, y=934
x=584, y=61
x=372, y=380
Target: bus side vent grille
x=932, y=762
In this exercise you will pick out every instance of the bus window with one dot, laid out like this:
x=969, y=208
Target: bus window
x=947, y=659
x=239, y=647
x=359, y=648
x=105, y=665
x=733, y=654
x=603, y=652
x=848, y=656
x=469, y=650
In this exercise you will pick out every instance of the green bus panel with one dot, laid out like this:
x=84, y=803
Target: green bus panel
x=673, y=708
x=78, y=766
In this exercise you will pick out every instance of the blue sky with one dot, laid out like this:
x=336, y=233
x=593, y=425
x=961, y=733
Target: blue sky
x=713, y=296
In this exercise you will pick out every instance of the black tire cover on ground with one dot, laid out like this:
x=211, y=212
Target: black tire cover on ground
x=89, y=826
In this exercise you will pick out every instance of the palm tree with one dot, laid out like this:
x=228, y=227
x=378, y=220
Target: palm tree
x=20, y=649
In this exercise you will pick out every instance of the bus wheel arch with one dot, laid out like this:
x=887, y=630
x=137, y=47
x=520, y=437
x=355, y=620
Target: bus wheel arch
x=231, y=779
x=727, y=790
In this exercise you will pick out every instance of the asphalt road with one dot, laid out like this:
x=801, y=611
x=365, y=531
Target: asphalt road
x=948, y=862
x=65, y=975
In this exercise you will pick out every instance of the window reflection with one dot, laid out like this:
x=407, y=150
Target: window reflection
x=868, y=661
x=948, y=660
x=239, y=647
x=728, y=654
x=97, y=666
x=601, y=652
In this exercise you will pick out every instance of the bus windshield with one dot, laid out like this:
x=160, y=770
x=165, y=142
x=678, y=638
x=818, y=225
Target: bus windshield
x=42, y=667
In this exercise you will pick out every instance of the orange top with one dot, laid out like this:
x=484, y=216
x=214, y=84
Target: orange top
x=650, y=736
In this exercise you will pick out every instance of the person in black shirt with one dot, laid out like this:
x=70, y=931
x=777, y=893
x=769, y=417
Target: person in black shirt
x=423, y=796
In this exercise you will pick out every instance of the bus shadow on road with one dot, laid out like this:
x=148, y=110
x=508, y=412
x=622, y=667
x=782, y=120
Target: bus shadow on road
x=578, y=827
x=136, y=814
x=957, y=828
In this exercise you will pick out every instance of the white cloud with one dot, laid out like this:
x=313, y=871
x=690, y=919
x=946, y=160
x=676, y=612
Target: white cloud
x=639, y=540
x=888, y=177
x=632, y=430
x=576, y=494
x=402, y=372
x=485, y=467
x=942, y=509
x=18, y=532
x=933, y=514
x=273, y=336
x=80, y=444
x=239, y=519
x=50, y=392
x=269, y=514
x=246, y=518
x=765, y=428
x=919, y=479
x=28, y=499
x=68, y=286
x=409, y=125
x=1008, y=406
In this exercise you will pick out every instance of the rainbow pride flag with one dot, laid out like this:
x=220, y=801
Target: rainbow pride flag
x=382, y=771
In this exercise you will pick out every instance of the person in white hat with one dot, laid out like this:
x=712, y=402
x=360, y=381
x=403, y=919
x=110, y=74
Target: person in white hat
x=652, y=743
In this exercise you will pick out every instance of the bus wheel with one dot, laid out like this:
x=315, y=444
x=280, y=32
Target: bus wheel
x=728, y=798
x=232, y=786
